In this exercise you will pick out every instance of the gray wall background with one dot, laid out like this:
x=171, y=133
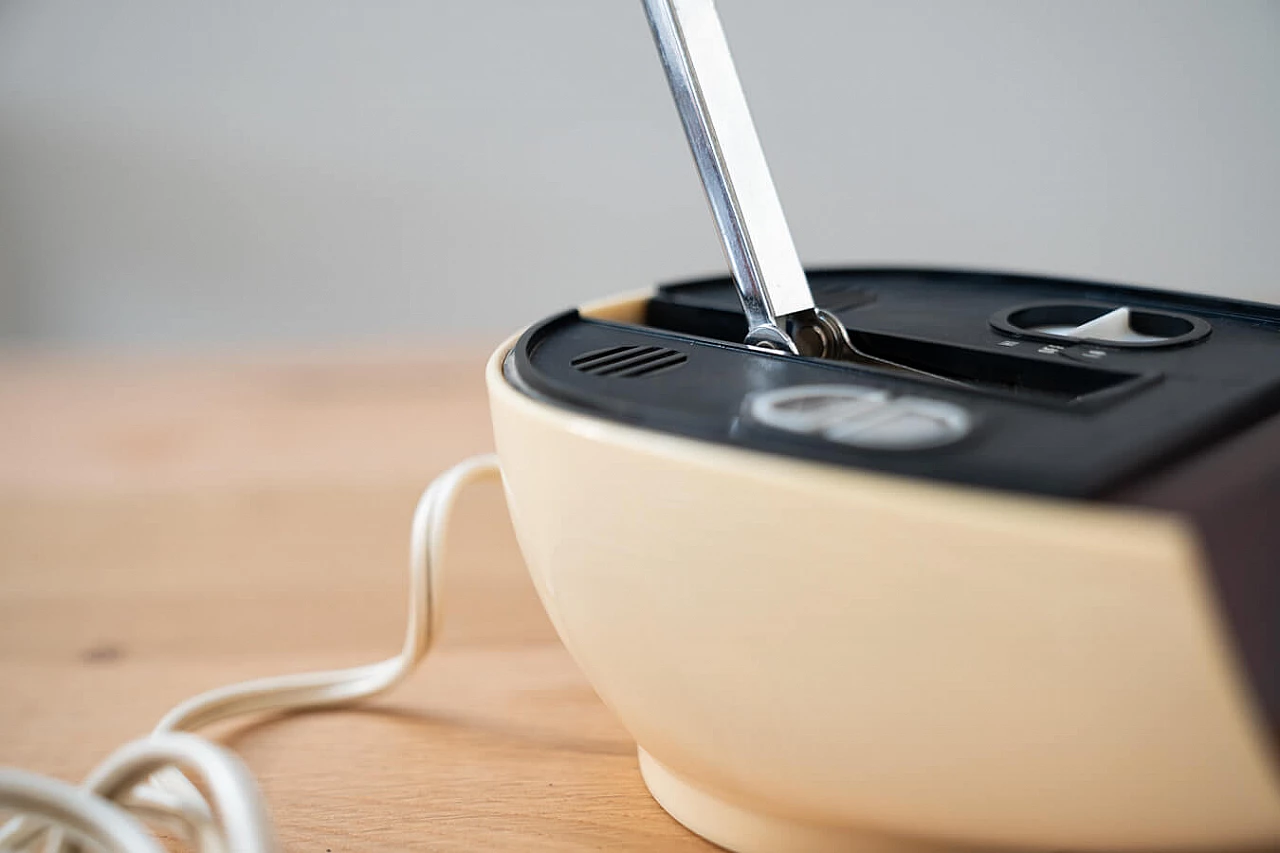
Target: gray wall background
x=194, y=173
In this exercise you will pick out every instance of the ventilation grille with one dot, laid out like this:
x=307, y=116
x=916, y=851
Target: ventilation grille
x=630, y=362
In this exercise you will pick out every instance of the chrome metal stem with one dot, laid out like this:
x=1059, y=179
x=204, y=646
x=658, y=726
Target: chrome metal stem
x=771, y=282
x=776, y=299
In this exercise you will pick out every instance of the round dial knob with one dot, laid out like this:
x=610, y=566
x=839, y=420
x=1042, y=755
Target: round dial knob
x=1107, y=325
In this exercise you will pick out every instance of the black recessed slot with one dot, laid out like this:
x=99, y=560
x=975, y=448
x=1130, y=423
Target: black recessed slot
x=1043, y=380
x=718, y=324
x=1058, y=381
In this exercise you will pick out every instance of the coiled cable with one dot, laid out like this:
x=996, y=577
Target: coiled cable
x=149, y=781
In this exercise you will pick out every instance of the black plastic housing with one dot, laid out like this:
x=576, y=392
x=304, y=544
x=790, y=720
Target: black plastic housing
x=1071, y=419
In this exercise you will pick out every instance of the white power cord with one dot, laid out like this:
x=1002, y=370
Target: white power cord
x=150, y=779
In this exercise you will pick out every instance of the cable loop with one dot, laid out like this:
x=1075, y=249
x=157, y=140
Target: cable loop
x=149, y=778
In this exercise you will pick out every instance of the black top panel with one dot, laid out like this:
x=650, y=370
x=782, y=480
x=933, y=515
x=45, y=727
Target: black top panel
x=1076, y=401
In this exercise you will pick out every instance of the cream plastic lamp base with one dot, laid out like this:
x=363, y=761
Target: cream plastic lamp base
x=883, y=654
x=743, y=830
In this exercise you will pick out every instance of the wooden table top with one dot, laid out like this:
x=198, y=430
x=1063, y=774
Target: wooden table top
x=168, y=525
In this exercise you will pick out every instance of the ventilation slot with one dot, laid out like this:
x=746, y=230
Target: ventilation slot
x=629, y=361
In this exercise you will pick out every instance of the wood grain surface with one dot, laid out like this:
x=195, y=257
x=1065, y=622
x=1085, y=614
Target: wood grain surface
x=171, y=525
